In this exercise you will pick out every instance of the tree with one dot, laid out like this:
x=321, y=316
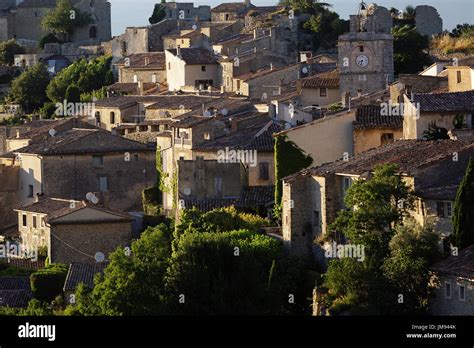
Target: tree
x=132, y=283
x=64, y=19
x=435, y=133
x=48, y=38
x=158, y=14
x=8, y=49
x=463, y=218
x=409, y=50
x=376, y=207
x=409, y=12
x=463, y=30
x=29, y=89
x=73, y=94
x=88, y=76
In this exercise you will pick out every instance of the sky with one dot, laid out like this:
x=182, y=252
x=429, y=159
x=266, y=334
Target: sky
x=127, y=13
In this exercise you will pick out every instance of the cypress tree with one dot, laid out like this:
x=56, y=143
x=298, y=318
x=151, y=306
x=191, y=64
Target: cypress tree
x=463, y=218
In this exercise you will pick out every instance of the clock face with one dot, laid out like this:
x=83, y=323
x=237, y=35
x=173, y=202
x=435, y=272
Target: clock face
x=362, y=60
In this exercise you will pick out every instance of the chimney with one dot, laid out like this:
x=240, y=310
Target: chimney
x=255, y=33
x=140, y=87
x=346, y=99
x=222, y=89
x=196, y=19
x=147, y=61
x=271, y=65
x=178, y=51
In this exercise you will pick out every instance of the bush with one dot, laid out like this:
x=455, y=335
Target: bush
x=49, y=38
x=48, y=282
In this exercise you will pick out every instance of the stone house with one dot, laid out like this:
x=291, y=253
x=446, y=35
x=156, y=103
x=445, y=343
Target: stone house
x=230, y=11
x=288, y=109
x=77, y=162
x=27, y=17
x=413, y=83
x=191, y=69
x=373, y=128
x=312, y=197
x=454, y=285
x=320, y=89
x=461, y=76
x=187, y=11
x=72, y=231
x=142, y=67
x=422, y=109
x=9, y=179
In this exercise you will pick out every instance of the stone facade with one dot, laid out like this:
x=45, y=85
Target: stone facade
x=187, y=11
x=9, y=179
x=428, y=21
x=370, y=138
x=442, y=304
x=28, y=17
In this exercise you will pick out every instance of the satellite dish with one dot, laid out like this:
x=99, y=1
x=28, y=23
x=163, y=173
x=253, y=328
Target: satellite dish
x=52, y=132
x=162, y=113
x=95, y=200
x=99, y=257
x=194, y=26
x=304, y=70
x=224, y=112
x=187, y=191
x=89, y=196
x=207, y=113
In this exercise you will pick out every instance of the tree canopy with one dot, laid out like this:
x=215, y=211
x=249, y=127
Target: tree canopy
x=409, y=50
x=463, y=218
x=8, y=49
x=158, y=14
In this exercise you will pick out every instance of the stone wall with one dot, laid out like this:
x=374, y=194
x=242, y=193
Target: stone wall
x=9, y=185
x=74, y=176
x=428, y=21
x=127, y=75
x=88, y=239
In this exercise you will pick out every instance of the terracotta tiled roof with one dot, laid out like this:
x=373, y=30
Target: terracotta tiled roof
x=253, y=196
x=326, y=80
x=83, y=273
x=155, y=60
x=369, y=116
x=81, y=141
x=116, y=102
x=196, y=56
x=461, y=265
x=445, y=102
x=409, y=155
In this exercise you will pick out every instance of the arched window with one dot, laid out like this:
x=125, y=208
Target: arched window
x=112, y=117
x=93, y=32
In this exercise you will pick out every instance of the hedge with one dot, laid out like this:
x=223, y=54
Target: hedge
x=48, y=282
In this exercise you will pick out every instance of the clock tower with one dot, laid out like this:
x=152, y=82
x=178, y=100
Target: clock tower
x=365, y=54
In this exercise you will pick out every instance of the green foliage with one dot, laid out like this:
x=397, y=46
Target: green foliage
x=48, y=110
x=158, y=14
x=435, y=133
x=463, y=30
x=8, y=49
x=35, y=308
x=463, y=218
x=397, y=251
x=87, y=76
x=458, y=121
x=11, y=121
x=289, y=159
x=48, y=282
x=409, y=50
x=29, y=88
x=131, y=284
x=48, y=38
x=98, y=94
x=73, y=94
x=9, y=271
x=64, y=19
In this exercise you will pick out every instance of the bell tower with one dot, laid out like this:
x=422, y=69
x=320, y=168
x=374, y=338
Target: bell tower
x=365, y=54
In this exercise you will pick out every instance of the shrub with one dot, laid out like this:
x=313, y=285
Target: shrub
x=48, y=282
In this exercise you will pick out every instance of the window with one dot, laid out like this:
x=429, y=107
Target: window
x=444, y=209
x=169, y=66
x=323, y=92
x=263, y=171
x=218, y=186
x=93, y=32
x=135, y=79
x=207, y=136
x=153, y=78
x=361, y=48
x=112, y=117
x=316, y=218
x=97, y=160
x=227, y=16
x=135, y=157
x=203, y=68
x=24, y=220
x=447, y=290
x=386, y=138
x=458, y=75
x=30, y=191
x=34, y=222
x=103, y=184
x=347, y=183
x=462, y=293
